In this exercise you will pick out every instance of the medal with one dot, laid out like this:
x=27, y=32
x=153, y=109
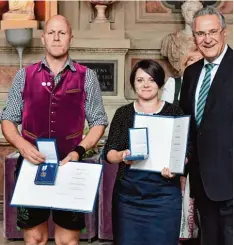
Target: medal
x=43, y=174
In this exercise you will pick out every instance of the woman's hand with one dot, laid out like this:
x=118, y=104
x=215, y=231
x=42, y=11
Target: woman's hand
x=117, y=157
x=166, y=173
x=124, y=154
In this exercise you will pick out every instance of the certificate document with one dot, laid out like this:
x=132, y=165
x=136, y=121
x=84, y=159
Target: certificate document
x=167, y=138
x=75, y=187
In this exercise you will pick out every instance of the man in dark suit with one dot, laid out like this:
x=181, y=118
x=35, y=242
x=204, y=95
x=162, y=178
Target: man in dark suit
x=207, y=95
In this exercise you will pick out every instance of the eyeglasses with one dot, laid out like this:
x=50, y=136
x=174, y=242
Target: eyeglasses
x=211, y=33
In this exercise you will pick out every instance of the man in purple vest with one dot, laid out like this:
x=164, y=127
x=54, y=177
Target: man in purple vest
x=52, y=99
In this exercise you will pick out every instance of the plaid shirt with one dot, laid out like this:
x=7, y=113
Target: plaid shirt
x=94, y=109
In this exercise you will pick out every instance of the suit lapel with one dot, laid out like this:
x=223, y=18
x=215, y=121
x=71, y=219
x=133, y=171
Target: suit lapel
x=216, y=85
x=196, y=75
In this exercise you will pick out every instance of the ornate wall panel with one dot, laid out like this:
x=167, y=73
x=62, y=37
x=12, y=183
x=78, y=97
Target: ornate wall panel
x=170, y=11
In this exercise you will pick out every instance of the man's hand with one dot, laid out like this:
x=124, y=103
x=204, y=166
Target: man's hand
x=26, y=149
x=30, y=153
x=72, y=156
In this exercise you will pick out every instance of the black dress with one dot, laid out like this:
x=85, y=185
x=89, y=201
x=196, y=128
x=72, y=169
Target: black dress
x=146, y=207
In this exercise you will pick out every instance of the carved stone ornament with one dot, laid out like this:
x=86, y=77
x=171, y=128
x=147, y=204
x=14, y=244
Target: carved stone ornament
x=20, y=10
x=100, y=7
x=176, y=46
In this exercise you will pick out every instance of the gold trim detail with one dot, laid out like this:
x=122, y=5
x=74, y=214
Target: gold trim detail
x=72, y=91
x=72, y=136
x=30, y=134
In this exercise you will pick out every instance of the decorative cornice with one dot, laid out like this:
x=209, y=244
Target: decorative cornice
x=143, y=51
x=99, y=50
x=7, y=50
x=35, y=50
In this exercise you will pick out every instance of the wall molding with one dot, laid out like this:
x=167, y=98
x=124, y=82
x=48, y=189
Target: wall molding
x=143, y=51
x=100, y=50
x=35, y=50
x=165, y=18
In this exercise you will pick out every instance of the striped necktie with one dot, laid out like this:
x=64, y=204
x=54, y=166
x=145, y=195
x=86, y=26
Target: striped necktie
x=203, y=93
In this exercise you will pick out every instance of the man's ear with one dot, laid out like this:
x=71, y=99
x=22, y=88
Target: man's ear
x=225, y=33
x=71, y=39
x=43, y=38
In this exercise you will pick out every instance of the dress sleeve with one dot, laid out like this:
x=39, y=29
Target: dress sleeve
x=115, y=132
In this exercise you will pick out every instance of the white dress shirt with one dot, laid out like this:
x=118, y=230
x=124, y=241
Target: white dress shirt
x=217, y=62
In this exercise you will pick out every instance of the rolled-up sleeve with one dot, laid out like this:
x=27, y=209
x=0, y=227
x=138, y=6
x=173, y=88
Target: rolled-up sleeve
x=14, y=104
x=94, y=108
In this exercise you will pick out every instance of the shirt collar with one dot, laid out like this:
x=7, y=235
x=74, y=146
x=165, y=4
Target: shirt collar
x=69, y=63
x=218, y=60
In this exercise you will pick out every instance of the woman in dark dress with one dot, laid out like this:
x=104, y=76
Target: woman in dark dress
x=146, y=206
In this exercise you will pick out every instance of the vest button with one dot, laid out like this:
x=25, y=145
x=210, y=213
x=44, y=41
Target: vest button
x=52, y=131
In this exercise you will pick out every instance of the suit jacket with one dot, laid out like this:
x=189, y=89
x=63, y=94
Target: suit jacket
x=211, y=164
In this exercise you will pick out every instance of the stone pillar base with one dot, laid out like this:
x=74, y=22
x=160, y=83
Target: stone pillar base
x=100, y=26
x=17, y=24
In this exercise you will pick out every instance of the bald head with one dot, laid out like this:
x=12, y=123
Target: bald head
x=57, y=37
x=58, y=19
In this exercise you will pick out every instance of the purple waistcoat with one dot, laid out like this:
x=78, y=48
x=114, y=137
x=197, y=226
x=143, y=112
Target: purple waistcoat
x=54, y=112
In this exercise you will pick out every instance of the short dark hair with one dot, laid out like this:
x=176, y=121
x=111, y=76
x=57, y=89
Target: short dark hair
x=151, y=67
